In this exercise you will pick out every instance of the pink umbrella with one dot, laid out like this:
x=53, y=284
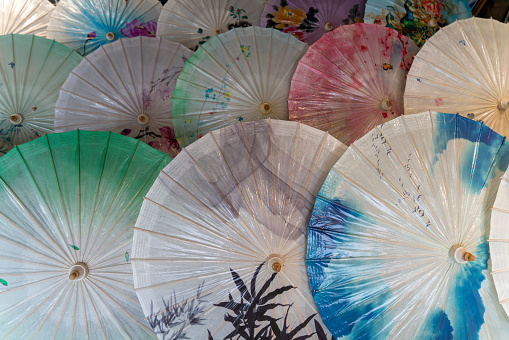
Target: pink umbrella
x=308, y=20
x=352, y=80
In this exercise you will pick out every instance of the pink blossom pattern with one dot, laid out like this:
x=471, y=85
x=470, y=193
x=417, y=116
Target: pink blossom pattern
x=137, y=28
x=167, y=143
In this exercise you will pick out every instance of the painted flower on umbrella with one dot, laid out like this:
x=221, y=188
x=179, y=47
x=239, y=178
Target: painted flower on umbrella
x=285, y=16
x=294, y=31
x=137, y=28
x=167, y=143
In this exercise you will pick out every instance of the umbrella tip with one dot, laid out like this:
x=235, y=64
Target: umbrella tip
x=78, y=272
x=328, y=27
x=110, y=36
x=503, y=104
x=143, y=119
x=16, y=119
x=274, y=263
x=460, y=254
x=265, y=108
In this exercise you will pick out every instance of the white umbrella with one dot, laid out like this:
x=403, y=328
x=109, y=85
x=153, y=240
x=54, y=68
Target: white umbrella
x=25, y=17
x=87, y=24
x=69, y=202
x=193, y=23
x=242, y=75
x=125, y=87
x=463, y=69
x=220, y=242
x=397, y=244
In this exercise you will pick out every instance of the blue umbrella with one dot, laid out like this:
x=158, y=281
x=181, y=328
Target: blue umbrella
x=397, y=242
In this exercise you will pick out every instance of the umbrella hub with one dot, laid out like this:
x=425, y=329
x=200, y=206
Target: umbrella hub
x=218, y=31
x=328, y=27
x=503, y=104
x=274, y=263
x=78, y=272
x=432, y=22
x=460, y=254
x=143, y=119
x=265, y=108
x=110, y=36
x=386, y=104
x=16, y=119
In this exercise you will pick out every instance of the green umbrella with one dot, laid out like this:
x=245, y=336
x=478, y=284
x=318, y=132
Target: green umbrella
x=32, y=70
x=69, y=201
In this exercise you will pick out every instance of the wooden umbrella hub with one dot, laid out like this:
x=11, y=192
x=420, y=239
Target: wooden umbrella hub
x=274, y=263
x=16, y=119
x=460, y=254
x=503, y=104
x=78, y=272
x=265, y=108
x=143, y=119
x=386, y=104
x=328, y=27
x=110, y=36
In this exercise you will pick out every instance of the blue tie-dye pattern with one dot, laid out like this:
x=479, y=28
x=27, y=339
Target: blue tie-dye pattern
x=436, y=326
x=346, y=309
x=485, y=145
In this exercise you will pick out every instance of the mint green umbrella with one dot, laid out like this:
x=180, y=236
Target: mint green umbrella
x=32, y=70
x=68, y=202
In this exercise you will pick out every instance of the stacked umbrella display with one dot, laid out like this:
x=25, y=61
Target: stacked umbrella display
x=229, y=242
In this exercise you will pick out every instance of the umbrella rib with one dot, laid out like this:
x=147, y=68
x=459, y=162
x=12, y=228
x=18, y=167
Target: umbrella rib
x=62, y=315
x=35, y=308
x=212, y=212
x=221, y=194
x=129, y=203
x=87, y=293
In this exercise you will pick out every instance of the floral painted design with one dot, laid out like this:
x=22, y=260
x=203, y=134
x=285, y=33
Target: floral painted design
x=355, y=16
x=220, y=99
x=137, y=28
x=295, y=21
x=419, y=20
x=164, y=141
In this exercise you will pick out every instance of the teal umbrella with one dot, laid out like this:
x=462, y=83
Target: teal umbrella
x=69, y=201
x=32, y=70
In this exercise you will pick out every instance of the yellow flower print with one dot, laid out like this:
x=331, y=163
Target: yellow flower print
x=227, y=95
x=188, y=120
x=285, y=16
x=180, y=140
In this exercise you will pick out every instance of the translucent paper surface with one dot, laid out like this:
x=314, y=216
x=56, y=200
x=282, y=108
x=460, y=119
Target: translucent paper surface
x=25, y=17
x=309, y=20
x=499, y=238
x=32, y=70
x=69, y=198
x=418, y=19
x=351, y=80
x=125, y=87
x=87, y=24
x=385, y=220
x=241, y=75
x=463, y=69
x=193, y=23
x=214, y=221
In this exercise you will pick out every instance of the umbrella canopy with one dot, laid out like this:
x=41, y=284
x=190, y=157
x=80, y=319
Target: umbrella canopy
x=68, y=204
x=125, y=87
x=309, y=20
x=463, y=70
x=87, y=24
x=417, y=19
x=351, y=80
x=219, y=246
x=241, y=75
x=25, y=17
x=397, y=244
x=192, y=23
x=499, y=242
x=32, y=70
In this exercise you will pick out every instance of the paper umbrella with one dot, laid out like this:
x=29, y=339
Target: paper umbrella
x=192, y=23
x=498, y=242
x=219, y=246
x=241, y=75
x=397, y=244
x=309, y=20
x=25, y=17
x=68, y=204
x=125, y=87
x=32, y=70
x=463, y=69
x=417, y=19
x=87, y=24
x=351, y=80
